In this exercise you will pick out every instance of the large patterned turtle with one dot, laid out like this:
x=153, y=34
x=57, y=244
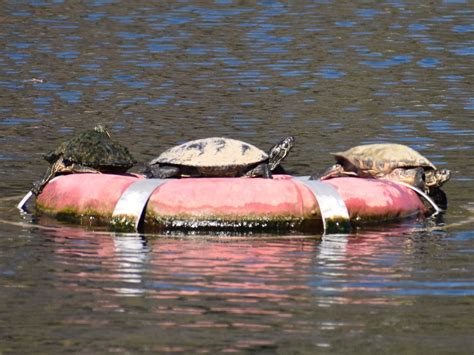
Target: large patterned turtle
x=218, y=157
x=91, y=151
x=388, y=161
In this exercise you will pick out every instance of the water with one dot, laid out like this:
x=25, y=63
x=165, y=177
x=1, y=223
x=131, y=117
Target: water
x=333, y=74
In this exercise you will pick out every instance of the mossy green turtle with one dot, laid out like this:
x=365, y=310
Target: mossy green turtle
x=91, y=151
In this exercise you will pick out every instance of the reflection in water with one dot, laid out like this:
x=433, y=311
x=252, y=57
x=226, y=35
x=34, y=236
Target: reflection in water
x=244, y=289
x=123, y=257
x=271, y=270
x=248, y=284
x=131, y=253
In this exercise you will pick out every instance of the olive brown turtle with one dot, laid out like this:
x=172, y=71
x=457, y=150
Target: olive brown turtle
x=395, y=162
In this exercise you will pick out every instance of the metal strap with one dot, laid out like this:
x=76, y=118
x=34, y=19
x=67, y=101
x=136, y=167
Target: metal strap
x=333, y=209
x=134, y=199
x=433, y=204
x=22, y=204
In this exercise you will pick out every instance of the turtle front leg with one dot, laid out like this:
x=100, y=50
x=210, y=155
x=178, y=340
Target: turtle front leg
x=50, y=173
x=261, y=170
x=59, y=167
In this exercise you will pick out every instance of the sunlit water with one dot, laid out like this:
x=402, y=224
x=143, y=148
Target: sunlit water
x=333, y=74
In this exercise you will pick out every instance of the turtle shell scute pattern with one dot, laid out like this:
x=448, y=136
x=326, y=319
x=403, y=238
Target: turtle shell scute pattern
x=383, y=158
x=214, y=152
x=93, y=149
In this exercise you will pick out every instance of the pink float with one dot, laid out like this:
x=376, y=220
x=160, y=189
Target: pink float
x=282, y=204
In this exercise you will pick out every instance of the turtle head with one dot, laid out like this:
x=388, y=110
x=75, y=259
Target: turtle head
x=101, y=129
x=279, y=151
x=436, y=178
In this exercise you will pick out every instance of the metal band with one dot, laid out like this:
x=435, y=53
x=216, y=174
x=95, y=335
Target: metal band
x=22, y=204
x=430, y=201
x=333, y=209
x=134, y=199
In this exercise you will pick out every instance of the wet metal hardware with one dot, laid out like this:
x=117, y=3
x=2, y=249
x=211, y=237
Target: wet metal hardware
x=22, y=204
x=134, y=199
x=436, y=209
x=333, y=209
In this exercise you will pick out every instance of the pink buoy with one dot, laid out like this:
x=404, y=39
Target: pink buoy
x=282, y=204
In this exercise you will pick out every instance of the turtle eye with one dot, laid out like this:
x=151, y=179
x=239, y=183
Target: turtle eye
x=288, y=142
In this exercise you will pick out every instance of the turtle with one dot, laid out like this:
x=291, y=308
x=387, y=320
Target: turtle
x=396, y=162
x=218, y=157
x=91, y=151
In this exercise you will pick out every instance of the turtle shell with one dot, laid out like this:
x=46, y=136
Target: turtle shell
x=93, y=148
x=380, y=159
x=213, y=153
